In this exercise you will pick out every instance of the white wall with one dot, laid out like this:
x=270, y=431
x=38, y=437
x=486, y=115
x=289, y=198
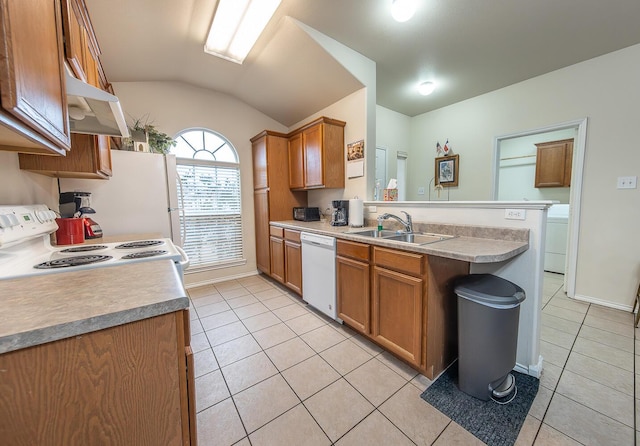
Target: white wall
x=22, y=187
x=605, y=91
x=392, y=134
x=173, y=107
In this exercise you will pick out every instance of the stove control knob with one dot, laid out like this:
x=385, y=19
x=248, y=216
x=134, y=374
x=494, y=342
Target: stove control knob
x=13, y=220
x=41, y=216
x=4, y=221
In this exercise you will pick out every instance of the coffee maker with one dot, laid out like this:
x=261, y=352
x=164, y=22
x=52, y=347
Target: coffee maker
x=78, y=205
x=340, y=214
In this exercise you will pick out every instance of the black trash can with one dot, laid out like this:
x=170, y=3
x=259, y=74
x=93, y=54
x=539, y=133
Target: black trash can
x=488, y=316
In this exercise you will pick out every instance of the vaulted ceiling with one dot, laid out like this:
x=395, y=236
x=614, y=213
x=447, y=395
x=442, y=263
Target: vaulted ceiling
x=467, y=47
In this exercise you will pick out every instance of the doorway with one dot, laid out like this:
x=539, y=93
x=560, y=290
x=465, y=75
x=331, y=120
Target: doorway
x=381, y=172
x=579, y=128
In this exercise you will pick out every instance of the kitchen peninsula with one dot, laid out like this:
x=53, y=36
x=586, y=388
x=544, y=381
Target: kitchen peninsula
x=399, y=294
x=486, y=242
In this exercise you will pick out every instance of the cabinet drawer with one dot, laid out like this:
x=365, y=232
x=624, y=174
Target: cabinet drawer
x=405, y=262
x=292, y=236
x=276, y=232
x=358, y=251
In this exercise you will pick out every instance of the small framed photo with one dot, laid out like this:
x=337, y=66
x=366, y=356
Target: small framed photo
x=447, y=171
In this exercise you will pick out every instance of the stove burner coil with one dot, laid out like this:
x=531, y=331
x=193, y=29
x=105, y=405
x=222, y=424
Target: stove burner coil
x=140, y=244
x=72, y=261
x=85, y=248
x=143, y=254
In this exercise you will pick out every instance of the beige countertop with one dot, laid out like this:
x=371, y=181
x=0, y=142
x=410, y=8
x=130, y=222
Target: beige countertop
x=476, y=244
x=48, y=307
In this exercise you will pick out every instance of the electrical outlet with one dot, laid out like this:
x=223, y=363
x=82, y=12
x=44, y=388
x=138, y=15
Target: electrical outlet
x=421, y=191
x=373, y=209
x=515, y=214
x=627, y=182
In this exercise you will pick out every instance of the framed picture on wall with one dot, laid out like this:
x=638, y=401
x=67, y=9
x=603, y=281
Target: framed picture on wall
x=447, y=171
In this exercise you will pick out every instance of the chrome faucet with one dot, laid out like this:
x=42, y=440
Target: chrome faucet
x=408, y=225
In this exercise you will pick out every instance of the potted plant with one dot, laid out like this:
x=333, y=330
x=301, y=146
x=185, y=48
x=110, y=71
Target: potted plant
x=146, y=137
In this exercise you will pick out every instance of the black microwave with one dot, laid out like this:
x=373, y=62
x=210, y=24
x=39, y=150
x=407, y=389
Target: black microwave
x=306, y=214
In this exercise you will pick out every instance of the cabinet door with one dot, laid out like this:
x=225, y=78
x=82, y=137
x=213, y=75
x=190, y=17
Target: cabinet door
x=313, y=160
x=296, y=162
x=103, y=152
x=74, y=39
x=277, y=258
x=261, y=212
x=293, y=265
x=353, y=293
x=32, y=72
x=104, y=387
x=553, y=164
x=259, y=149
x=397, y=313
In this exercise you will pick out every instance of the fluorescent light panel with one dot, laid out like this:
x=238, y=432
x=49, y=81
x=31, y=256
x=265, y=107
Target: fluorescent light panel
x=236, y=26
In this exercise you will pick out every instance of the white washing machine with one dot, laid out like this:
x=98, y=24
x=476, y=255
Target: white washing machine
x=555, y=254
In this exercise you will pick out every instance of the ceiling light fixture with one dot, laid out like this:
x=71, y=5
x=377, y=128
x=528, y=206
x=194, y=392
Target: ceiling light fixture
x=236, y=26
x=403, y=10
x=426, y=88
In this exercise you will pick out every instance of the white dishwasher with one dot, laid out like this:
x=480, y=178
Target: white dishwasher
x=319, y=272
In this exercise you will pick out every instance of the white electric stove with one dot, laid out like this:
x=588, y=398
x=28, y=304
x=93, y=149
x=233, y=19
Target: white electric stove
x=25, y=248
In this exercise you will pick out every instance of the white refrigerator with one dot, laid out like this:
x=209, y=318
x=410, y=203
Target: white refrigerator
x=140, y=198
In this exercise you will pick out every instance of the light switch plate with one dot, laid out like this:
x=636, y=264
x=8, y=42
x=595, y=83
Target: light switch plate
x=515, y=214
x=627, y=182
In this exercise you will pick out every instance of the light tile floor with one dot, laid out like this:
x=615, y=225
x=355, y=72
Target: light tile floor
x=270, y=371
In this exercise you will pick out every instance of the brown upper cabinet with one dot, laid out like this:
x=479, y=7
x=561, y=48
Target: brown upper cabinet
x=33, y=116
x=316, y=155
x=553, y=163
x=80, y=44
x=90, y=155
x=272, y=198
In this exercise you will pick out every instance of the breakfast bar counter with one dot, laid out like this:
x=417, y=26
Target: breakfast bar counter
x=475, y=244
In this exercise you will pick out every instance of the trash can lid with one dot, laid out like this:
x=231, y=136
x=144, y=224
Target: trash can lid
x=489, y=290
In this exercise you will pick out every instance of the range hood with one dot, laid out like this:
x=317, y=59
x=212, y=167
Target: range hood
x=94, y=111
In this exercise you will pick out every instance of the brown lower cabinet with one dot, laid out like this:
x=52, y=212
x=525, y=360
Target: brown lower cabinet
x=129, y=384
x=352, y=279
x=286, y=257
x=293, y=260
x=401, y=300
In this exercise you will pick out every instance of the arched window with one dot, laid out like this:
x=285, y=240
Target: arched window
x=209, y=197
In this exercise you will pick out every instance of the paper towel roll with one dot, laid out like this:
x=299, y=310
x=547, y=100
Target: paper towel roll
x=356, y=210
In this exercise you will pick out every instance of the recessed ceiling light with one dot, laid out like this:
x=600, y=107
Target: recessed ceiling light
x=403, y=10
x=426, y=88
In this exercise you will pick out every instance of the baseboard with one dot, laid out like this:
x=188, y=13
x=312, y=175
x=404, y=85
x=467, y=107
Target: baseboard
x=604, y=303
x=534, y=370
x=220, y=279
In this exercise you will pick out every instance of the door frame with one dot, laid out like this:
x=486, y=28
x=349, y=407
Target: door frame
x=575, y=194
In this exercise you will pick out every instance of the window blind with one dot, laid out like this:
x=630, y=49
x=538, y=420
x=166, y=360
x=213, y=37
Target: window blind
x=210, y=218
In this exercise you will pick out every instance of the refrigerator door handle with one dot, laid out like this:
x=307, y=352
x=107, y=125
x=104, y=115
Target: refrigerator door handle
x=181, y=210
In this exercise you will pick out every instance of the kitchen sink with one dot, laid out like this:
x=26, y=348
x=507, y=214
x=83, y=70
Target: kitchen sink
x=419, y=238
x=376, y=233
